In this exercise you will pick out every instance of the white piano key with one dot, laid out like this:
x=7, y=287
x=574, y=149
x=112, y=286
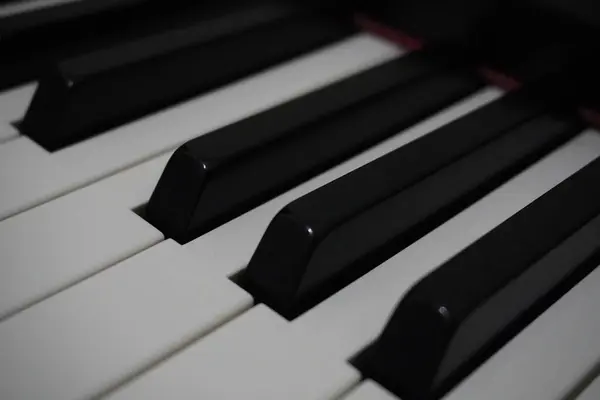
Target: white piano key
x=7, y=132
x=41, y=180
x=50, y=247
x=14, y=102
x=548, y=359
x=164, y=131
x=348, y=321
x=92, y=337
x=592, y=392
x=369, y=390
x=131, y=188
x=253, y=357
x=30, y=175
x=228, y=248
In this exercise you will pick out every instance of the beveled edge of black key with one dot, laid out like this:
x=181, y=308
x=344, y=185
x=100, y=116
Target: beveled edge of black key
x=221, y=148
x=183, y=178
x=287, y=245
x=428, y=319
x=79, y=82
x=15, y=23
x=47, y=102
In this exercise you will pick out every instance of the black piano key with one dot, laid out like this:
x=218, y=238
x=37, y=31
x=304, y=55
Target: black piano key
x=26, y=54
x=218, y=176
x=583, y=15
x=459, y=315
x=325, y=240
x=92, y=93
x=460, y=24
x=12, y=23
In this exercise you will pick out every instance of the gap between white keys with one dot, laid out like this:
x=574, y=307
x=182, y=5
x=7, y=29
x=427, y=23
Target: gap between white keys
x=55, y=245
x=252, y=357
x=93, y=336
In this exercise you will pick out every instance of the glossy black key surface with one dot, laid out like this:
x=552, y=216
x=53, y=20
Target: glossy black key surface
x=95, y=92
x=222, y=174
x=460, y=314
x=323, y=241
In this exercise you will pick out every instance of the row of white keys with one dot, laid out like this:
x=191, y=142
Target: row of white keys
x=550, y=358
x=13, y=105
x=243, y=233
x=349, y=320
x=291, y=361
x=86, y=340
x=119, y=191
x=32, y=175
x=92, y=228
x=64, y=254
x=29, y=176
x=131, y=188
x=253, y=358
x=59, y=243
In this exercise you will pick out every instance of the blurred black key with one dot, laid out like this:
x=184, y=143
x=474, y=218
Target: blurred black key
x=95, y=92
x=459, y=315
x=323, y=241
x=27, y=48
x=583, y=15
x=19, y=16
x=218, y=176
x=26, y=54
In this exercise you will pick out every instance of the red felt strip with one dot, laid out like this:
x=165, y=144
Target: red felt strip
x=394, y=35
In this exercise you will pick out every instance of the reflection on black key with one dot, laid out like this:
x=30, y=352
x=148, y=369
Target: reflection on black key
x=91, y=93
x=330, y=237
x=220, y=175
x=459, y=315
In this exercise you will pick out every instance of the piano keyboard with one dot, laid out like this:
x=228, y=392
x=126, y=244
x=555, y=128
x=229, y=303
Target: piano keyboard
x=409, y=231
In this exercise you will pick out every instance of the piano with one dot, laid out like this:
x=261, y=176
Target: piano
x=366, y=200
